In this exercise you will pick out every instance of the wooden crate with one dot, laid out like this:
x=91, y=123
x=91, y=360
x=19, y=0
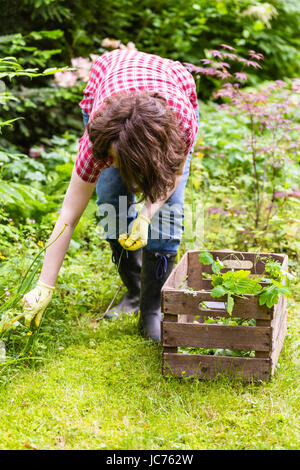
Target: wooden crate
x=183, y=322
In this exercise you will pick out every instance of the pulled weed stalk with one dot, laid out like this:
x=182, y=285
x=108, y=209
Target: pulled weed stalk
x=26, y=282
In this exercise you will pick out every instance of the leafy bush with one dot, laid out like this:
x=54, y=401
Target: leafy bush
x=176, y=29
x=45, y=33
x=21, y=177
x=39, y=101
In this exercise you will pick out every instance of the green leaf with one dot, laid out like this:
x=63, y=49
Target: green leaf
x=217, y=266
x=206, y=258
x=9, y=122
x=218, y=291
x=216, y=280
x=269, y=296
x=230, y=304
x=239, y=274
x=262, y=298
x=54, y=34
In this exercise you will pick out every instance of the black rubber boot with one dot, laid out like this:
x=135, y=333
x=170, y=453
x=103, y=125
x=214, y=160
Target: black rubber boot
x=156, y=268
x=129, y=265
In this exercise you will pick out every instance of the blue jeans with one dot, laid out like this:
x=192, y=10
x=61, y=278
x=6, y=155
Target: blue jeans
x=117, y=209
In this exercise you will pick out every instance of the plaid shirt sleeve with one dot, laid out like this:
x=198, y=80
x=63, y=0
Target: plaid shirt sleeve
x=87, y=167
x=189, y=121
x=97, y=73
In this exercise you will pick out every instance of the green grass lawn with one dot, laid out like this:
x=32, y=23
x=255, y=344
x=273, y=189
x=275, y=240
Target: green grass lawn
x=89, y=385
x=99, y=386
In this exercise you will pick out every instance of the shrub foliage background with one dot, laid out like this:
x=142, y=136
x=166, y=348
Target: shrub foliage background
x=45, y=33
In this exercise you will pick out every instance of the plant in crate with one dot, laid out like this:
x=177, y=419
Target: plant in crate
x=239, y=282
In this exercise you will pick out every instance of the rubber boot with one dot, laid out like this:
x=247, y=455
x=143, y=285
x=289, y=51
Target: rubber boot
x=129, y=265
x=156, y=268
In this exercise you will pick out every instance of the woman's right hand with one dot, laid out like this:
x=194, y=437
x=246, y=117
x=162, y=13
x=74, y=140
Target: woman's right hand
x=35, y=303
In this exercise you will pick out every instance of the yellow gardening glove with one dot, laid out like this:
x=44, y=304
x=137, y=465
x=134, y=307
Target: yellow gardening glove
x=35, y=302
x=139, y=234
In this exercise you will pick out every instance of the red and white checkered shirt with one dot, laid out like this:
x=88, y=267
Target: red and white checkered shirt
x=130, y=71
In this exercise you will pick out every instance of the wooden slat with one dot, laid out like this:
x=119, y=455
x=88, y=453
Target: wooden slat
x=257, y=338
x=274, y=326
x=279, y=343
x=278, y=311
x=264, y=353
x=279, y=320
x=194, y=271
x=279, y=308
x=279, y=335
x=178, y=303
x=203, y=366
x=178, y=274
x=285, y=262
x=167, y=318
x=282, y=313
x=184, y=285
x=279, y=324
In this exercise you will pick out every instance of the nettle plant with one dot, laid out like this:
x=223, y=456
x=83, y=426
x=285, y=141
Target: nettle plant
x=238, y=283
x=266, y=173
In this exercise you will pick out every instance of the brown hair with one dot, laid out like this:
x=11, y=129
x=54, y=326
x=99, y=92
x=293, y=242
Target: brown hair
x=144, y=133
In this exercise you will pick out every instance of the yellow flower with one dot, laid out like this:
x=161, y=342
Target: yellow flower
x=40, y=243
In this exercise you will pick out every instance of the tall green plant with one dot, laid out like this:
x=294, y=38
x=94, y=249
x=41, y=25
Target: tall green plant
x=8, y=316
x=270, y=144
x=237, y=283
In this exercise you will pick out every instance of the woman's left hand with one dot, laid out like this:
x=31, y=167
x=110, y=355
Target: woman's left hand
x=35, y=302
x=138, y=237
